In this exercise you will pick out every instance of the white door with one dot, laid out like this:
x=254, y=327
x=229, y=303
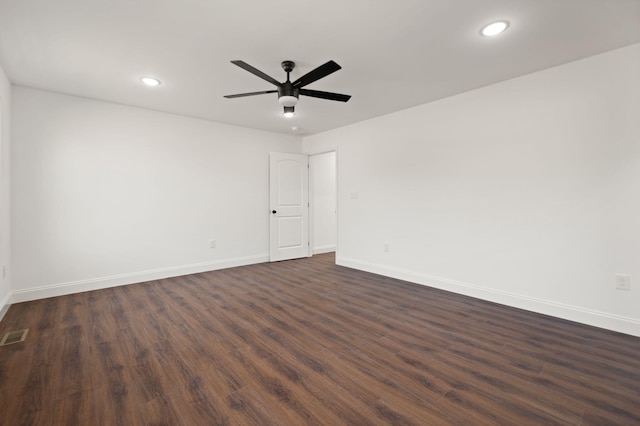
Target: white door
x=289, y=206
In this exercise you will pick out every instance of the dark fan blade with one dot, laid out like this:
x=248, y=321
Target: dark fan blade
x=325, y=95
x=256, y=71
x=240, y=95
x=317, y=74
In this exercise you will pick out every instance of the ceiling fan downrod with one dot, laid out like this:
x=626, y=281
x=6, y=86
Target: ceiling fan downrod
x=287, y=94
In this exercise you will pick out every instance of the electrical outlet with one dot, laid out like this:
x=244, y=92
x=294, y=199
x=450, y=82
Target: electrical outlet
x=623, y=282
x=212, y=243
x=386, y=247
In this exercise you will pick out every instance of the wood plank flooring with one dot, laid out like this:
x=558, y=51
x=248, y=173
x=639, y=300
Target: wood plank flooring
x=307, y=342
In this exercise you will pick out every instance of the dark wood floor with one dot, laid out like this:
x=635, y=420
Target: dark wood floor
x=307, y=342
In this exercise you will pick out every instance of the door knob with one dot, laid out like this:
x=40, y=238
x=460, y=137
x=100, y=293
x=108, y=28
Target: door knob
x=273, y=211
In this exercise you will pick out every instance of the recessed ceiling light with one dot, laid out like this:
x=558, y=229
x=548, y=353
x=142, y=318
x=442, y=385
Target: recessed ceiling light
x=494, y=28
x=150, y=81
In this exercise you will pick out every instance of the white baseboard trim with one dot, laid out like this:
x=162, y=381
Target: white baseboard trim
x=5, y=304
x=324, y=249
x=62, y=289
x=560, y=310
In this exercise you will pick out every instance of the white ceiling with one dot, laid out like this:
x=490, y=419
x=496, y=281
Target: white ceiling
x=394, y=54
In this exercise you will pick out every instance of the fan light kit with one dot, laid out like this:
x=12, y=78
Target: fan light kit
x=150, y=81
x=289, y=92
x=494, y=28
x=289, y=111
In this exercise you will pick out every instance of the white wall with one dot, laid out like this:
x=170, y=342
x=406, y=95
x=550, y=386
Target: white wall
x=526, y=192
x=105, y=194
x=5, y=235
x=322, y=180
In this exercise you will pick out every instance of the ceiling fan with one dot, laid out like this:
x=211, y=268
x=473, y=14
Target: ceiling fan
x=288, y=91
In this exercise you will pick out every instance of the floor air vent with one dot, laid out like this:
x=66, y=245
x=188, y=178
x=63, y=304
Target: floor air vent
x=14, y=337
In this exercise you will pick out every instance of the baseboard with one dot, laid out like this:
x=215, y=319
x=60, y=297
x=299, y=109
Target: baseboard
x=324, y=249
x=559, y=310
x=62, y=289
x=4, y=305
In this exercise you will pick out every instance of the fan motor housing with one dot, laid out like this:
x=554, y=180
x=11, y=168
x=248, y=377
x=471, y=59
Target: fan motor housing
x=287, y=94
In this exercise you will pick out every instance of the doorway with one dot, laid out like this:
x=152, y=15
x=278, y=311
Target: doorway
x=303, y=204
x=323, y=209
